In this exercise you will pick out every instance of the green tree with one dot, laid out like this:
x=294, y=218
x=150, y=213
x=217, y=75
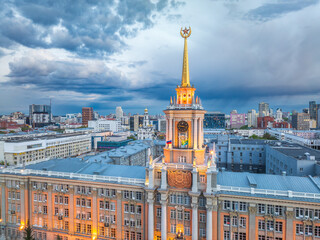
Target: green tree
x=28, y=232
x=132, y=137
x=24, y=128
x=59, y=238
x=244, y=127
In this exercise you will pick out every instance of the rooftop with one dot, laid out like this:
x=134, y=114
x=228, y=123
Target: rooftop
x=295, y=150
x=27, y=138
x=248, y=141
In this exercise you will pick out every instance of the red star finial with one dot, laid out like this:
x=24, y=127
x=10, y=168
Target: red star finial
x=185, y=31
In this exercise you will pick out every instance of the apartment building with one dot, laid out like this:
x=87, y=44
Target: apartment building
x=20, y=150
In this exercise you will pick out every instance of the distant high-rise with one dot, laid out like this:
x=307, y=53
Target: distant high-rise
x=313, y=110
x=252, y=118
x=301, y=121
x=135, y=122
x=279, y=115
x=119, y=113
x=39, y=115
x=263, y=109
x=87, y=115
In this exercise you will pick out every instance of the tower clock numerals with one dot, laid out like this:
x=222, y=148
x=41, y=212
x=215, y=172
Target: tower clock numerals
x=183, y=126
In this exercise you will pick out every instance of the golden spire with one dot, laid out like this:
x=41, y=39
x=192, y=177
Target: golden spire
x=185, y=81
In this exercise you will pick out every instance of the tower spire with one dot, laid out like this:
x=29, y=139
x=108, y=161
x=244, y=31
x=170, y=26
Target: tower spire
x=185, y=81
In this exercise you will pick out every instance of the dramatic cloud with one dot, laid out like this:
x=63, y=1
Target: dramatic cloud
x=129, y=53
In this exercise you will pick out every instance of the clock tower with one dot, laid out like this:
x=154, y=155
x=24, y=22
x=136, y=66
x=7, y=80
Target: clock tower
x=180, y=184
x=184, y=117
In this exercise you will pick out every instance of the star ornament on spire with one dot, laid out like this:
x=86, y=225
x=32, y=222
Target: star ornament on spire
x=185, y=33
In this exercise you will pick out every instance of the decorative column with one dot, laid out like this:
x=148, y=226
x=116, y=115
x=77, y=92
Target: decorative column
x=252, y=220
x=194, y=218
x=94, y=213
x=163, y=178
x=289, y=223
x=201, y=132
x=209, y=221
x=151, y=176
x=50, y=210
x=174, y=144
x=163, y=216
x=170, y=131
x=119, y=214
x=150, y=215
x=195, y=134
x=209, y=182
x=22, y=203
x=3, y=203
x=194, y=180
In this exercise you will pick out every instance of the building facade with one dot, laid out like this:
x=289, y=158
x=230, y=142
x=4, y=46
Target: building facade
x=179, y=195
x=301, y=121
x=214, y=120
x=22, y=150
x=264, y=109
x=87, y=115
x=40, y=115
x=105, y=125
x=146, y=130
x=237, y=120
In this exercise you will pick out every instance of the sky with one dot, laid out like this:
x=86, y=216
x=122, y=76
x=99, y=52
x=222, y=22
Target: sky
x=128, y=53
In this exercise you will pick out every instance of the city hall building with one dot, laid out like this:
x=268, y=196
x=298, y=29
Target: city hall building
x=179, y=195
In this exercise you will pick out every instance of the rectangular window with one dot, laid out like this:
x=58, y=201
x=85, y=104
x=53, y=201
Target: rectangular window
x=261, y=224
x=226, y=205
x=243, y=222
x=270, y=225
x=173, y=228
x=158, y=212
x=278, y=227
x=202, y=217
x=261, y=208
x=187, y=216
x=226, y=220
x=173, y=214
x=202, y=178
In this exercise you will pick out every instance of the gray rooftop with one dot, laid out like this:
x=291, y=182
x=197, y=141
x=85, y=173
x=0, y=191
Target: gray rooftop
x=295, y=150
x=248, y=141
x=77, y=165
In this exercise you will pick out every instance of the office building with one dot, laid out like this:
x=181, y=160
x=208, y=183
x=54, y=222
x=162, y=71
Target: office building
x=313, y=110
x=214, y=120
x=135, y=121
x=300, y=121
x=252, y=118
x=292, y=159
x=40, y=115
x=87, y=115
x=265, y=122
x=23, y=149
x=263, y=109
x=237, y=120
x=102, y=125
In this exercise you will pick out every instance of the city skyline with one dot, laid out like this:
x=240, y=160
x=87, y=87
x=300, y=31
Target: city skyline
x=49, y=52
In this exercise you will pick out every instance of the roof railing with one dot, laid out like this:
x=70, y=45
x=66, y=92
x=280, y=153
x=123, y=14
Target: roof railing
x=290, y=194
x=123, y=180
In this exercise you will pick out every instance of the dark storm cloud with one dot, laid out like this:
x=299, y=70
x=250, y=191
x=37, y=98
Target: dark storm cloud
x=48, y=75
x=272, y=10
x=88, y=28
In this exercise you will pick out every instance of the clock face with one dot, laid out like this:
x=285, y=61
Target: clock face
x=183, y=126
